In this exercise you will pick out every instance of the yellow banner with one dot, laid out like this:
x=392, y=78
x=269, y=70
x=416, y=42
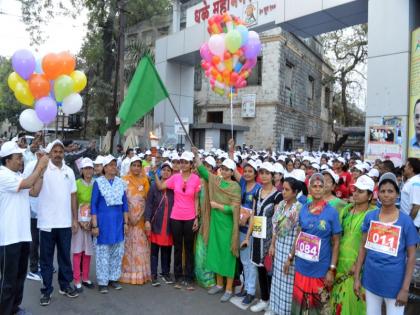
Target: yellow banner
x=414, y=114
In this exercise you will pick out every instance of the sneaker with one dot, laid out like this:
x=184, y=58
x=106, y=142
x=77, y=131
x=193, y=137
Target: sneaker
x=69, y=292
x=115, y=285
x=189, y=286
x=78, y=287
x=259, y=307
x=45, y=299
x=155, y=282
x=248, y=299
x=22, y=311
x=226, y=296
x=34, y=276
x=103, y=289
x=269, y=312
x=241, y=294
x=88, y=284
x=167, y=279
x=178, y=285
x=214, y=290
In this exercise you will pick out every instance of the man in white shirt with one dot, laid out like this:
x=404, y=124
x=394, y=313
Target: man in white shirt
x=15, y=231
x=57, y=215
x=410, y=193
x=125, y=164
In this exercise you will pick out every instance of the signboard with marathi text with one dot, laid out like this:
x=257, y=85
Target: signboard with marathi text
x=414, y=109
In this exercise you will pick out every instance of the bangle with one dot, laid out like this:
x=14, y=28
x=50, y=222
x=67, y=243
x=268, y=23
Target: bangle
x=290, y=257
x=332, y=267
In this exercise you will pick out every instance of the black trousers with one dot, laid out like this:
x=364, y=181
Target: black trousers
x=265, y=283
x=13, y=269
x=49, y=240
x=34, y=250
x=165, y=259
x=183, y=235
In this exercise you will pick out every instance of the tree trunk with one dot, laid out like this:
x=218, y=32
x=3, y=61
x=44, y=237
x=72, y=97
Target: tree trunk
x=339, y=143
x=344, y=98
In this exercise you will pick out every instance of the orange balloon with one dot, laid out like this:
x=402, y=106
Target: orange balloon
x=52, y=66
x=68, y=63
x=215, y=60
x=39, y=85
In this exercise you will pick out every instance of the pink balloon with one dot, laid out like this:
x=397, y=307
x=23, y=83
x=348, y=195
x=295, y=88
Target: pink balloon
x=249, y=64
x=252, y=49
x=205, y=52
x=217, y=45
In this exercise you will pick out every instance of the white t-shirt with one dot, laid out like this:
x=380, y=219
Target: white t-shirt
x=125, y=167
x=54, y=200
x=33, y=201
x=15, y=214
x=410, y=195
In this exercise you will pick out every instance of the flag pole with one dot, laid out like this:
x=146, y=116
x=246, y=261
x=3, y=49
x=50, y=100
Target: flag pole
x=180, y=121
x=231, y=110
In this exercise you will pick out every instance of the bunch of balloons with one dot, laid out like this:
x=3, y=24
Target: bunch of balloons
x=230, y=54
x=49, y=84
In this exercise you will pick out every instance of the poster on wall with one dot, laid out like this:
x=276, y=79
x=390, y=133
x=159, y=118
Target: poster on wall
x=414, y=111
x=385, y=143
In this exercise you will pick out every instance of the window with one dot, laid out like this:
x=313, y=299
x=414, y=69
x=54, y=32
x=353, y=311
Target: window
x=198, y=78
x=288, y=144
x=327, y=97
x=289, y=75
x=215, y=117
x=256, y=75
x=310, y=88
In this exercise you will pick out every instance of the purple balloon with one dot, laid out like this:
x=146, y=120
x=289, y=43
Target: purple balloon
x=52, y=94
x=205, y=52
x=23, y=63
x=252, y=48
x=46, y=109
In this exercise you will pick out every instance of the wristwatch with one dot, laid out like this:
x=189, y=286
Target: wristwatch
x=332, y=268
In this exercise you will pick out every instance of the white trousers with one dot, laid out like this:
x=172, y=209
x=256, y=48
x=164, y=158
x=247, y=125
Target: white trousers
x=374, y=305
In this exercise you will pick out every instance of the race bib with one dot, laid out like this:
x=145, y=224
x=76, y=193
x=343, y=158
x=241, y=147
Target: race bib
x=383, y=238
x=260, y=227
x=308, y=246
x=84, y=213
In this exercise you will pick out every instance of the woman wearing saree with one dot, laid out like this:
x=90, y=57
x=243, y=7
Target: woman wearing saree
x=343, y=299
x=136, y=260
x=220, y=230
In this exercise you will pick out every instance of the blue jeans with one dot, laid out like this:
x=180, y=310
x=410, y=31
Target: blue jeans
x=250, y=270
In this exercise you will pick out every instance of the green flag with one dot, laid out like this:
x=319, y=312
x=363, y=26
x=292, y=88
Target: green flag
x=144, y=92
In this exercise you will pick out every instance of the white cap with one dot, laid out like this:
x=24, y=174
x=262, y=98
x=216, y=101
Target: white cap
x=373, y=173
x=229, y=164
x=252, y=164
x=167, y=163
x=148, y=152
x=341, y=159
x=166, y=154
x=211, y=161
x=278, y=168
x=299, y=175
x=334, y=176
x=135, y=158
x=187, y=156
x=175, y=156
x=267, y=166
x=141, y=155
x=86, y=162
x=99, y=160
x=315, y=166
x=364, y=182
x=359, y=167
x=324, y=167
x=108, y=159
x=52, y=145
x=9, y=148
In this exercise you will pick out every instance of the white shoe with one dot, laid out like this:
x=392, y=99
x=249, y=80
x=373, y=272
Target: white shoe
x=269, y=312
x=259, y=307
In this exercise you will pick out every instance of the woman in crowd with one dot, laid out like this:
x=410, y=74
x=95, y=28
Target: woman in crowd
x=204, y=276
x=184, y=218
x=278, y=176
x=266, y=199
x=289, y=167
x=343, y=299
x=297, y=164
x=285, y=221
x=176, y=164
x=98, y=167
x=221, y=236
x=157, y=215
x=343, y=186
x=109, y=223
x=81, y=241
x=330, y=183
x=387, y=253
x=136, y=260
x=316, y=250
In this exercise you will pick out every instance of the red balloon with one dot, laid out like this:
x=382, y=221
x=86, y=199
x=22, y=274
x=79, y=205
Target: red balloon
x=52, y=66
x=39, y=85
x=68, y=63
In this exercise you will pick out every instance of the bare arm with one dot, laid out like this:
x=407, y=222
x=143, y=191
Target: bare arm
x=402, y=297
x=161, y=185
x=414, y=211
x=36, y=188
x=359, y=264
x=197, y=159
x=28, y=182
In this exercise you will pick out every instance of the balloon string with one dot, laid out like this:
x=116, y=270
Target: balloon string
x=231, y=110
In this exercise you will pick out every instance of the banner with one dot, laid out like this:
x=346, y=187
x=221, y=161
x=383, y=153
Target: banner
x=385, y=143
x=414, y=111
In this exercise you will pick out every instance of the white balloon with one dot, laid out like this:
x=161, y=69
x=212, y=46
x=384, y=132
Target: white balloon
x=72, y=104
x=217, y=44
x=253, y=34
x=29, y=121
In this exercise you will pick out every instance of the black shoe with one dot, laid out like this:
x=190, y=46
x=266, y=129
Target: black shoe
x=241, y=294
x=167, y=279
x=155, y=282
x=103, y=289
x=45, y=299
x=88, y=284
x=248, y=299
x=69, y=292
x=115, y=285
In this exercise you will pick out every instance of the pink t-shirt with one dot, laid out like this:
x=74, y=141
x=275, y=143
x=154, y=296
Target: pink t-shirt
x=184, y=206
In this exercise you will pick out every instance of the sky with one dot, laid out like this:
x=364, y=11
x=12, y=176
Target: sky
x=63, y=33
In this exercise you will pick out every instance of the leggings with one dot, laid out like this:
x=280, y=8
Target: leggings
x=374, y=305
x=183, y=235
x=81, y=260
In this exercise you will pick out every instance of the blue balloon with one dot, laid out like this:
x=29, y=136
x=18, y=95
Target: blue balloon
x=244, y=34
x=38, y=66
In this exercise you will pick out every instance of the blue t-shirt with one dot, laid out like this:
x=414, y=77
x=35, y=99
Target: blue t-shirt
x=247, y=199
x=324, y=225
x=384, y=274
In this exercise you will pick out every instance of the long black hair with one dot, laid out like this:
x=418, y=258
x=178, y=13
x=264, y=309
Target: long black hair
x=294, y=184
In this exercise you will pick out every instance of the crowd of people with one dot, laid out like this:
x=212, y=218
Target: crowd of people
x=317, y=232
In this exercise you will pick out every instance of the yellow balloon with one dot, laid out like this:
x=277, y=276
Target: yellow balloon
x=13, y=80
x=79, y=79
x=23, y=94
